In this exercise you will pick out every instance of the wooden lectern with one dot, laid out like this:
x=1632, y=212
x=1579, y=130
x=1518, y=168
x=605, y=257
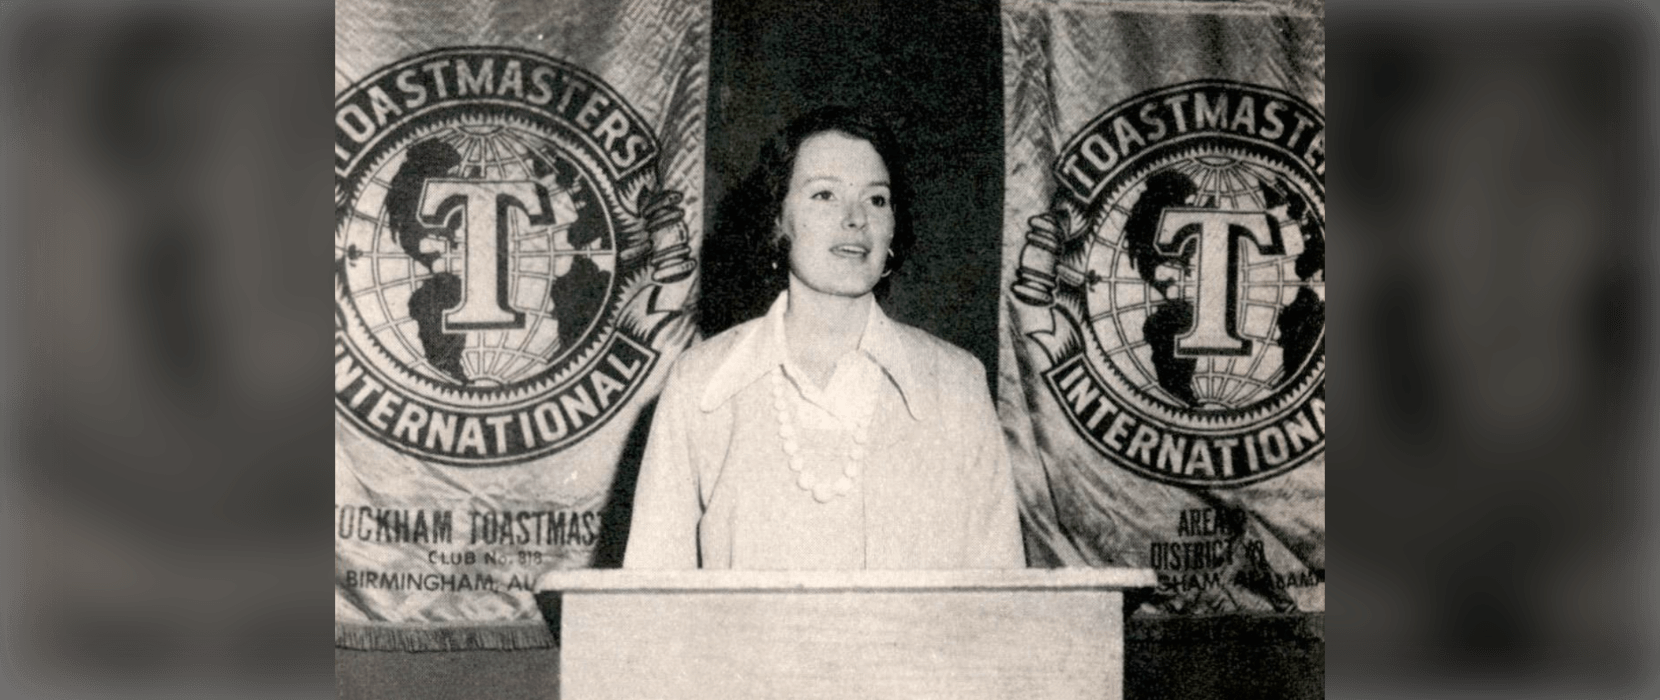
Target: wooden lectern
x=1026, y=633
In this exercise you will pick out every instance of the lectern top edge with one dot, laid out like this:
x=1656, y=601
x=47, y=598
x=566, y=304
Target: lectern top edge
x=693, y=581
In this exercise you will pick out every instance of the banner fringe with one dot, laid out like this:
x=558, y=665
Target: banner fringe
x=518, y=636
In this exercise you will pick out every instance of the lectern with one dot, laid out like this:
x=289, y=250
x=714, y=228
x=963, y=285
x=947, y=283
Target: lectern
x=1028, y=633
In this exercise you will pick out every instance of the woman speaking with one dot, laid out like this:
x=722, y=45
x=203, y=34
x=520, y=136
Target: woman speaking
x=824, y=435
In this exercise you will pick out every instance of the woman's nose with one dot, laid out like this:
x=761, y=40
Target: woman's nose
x=854, y=216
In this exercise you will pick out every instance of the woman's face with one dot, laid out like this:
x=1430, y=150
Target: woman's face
x=838, y=215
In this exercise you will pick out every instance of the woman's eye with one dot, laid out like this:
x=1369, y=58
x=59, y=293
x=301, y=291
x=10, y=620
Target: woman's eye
x=880, y=200
x=825, y=195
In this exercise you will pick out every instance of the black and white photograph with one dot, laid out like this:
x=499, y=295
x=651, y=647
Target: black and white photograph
x=806, y=349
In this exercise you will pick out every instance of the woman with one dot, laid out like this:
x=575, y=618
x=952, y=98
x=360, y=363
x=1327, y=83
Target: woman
x=824, y=435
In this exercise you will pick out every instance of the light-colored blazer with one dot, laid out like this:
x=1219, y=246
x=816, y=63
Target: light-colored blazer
x=715, y=489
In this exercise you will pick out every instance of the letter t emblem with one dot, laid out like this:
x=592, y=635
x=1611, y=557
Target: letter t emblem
x=1215, y=329
x=485, y=206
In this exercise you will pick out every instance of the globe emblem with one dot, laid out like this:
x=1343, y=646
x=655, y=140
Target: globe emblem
x=1139, y=299
x=402, y=273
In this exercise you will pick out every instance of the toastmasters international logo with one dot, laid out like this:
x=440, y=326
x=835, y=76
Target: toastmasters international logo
x=500, y=238
x=1177, y=284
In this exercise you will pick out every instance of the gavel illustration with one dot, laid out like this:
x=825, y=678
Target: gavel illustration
x=1040, y=266
x=668, y=239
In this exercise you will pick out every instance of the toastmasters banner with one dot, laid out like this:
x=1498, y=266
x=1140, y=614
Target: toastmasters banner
x=1162, y=374
x=518, y=190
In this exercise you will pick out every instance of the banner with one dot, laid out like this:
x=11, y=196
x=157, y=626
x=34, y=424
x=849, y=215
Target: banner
x=518, y=196
x=1162, y=358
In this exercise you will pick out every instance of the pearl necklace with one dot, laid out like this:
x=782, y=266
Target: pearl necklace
x=823, y=491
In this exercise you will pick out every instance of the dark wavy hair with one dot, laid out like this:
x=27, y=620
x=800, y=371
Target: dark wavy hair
x=746, y=258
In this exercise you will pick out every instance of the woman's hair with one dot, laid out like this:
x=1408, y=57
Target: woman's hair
x=739, y=283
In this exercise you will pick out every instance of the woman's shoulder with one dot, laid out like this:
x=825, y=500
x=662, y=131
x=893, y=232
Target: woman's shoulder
x=938, y=354
x=698, y=363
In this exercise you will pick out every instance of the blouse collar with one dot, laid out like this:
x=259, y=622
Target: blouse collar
x=762, y=349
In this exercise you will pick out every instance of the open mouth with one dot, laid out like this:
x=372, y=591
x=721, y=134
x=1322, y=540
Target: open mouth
x=850, y=251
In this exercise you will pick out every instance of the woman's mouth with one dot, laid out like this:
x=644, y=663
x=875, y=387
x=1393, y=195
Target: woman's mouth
x=850, y=251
